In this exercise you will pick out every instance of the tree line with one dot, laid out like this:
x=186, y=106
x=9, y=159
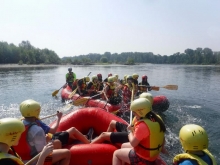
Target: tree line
x=25, y=53
x=199, y=57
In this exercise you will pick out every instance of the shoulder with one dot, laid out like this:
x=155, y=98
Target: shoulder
x=188, y=162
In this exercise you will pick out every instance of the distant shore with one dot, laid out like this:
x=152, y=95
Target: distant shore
x=26, y=66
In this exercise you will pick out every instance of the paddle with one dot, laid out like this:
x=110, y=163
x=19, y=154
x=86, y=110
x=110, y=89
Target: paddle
x=33, y=159
x=83, y=100
x=156, y=88
x=56, y=91
x=132, y=99
x=73, y=93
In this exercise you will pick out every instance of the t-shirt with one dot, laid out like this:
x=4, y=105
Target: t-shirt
x=141, y=131
x=36, y=138
x=44, y=126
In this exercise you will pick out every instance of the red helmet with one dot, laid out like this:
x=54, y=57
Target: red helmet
x=99, y=75
x=144, y=77
x=110, y=74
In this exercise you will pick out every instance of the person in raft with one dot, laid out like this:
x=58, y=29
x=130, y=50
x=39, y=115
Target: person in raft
x=70, y=77
x=11, y=130
x=33, y=140
x=141, y=149
x=194, y=141
x=117, y=131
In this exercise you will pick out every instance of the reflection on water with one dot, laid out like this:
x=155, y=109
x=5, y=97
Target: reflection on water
x=195, y=101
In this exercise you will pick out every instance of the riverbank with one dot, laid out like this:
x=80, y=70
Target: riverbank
x=27, y=66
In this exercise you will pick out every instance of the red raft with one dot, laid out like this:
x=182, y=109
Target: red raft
x=160, y=104
x=94, y=154
x=83, y=119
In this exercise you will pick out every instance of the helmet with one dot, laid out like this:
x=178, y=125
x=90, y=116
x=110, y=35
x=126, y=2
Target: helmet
x=110, y=74
x=87, y=79
x=144, y=77
x=125, y=77
x=11, y=130
x=30, y=108
x=129, y=77
x=99, y=75
x=193, y=137
x=110, y=79
x=94, y=77
x=147, y=96
x=141, y=106
x=116, y=75
x=69, y=69
x=135, y=76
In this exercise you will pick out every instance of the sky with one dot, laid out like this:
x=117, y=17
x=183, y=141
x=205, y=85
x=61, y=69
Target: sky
x=80, y=27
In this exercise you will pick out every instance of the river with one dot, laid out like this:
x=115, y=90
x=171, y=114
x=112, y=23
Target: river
x=195, y=101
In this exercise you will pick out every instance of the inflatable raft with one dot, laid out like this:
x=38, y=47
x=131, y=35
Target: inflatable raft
x=89, y=154
x=160, y=103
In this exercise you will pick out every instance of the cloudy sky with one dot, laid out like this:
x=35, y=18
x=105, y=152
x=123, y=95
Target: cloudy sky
x=77, y=27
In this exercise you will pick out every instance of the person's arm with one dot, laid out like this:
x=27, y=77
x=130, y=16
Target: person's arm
x=135, y=136
x=53, y=129
x=67, y=77
x=48, y=149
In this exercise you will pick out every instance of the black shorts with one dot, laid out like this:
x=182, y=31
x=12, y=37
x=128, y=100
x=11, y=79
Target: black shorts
x=137, y=160
x=120, y=127
x=119, y=137
x=62, y=136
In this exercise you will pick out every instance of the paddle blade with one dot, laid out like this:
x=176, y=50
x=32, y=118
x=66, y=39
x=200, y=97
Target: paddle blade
x=171, y=87
x=155, y=88
x=55, y=93
x=73, y=93
x=80, y=101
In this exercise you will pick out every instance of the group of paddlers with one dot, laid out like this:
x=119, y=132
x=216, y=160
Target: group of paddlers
x=142, y=141
x=112, y=89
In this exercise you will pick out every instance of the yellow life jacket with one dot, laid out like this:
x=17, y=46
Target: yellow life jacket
x=186, y=156
x=152, y=149
x=9, y=156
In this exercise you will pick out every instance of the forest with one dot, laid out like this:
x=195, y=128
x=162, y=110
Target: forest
x=25, y=53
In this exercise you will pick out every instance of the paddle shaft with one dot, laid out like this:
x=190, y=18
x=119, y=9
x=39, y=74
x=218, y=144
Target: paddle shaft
x=33, y=159
x=132, y=98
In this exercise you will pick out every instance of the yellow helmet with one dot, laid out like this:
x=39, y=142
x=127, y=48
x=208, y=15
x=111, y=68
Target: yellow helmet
x=147, y=96
x=135, y=76
x=116, y=75
x=141, y=106
x=193, y=137
x=94, y=77
x=87, y=79
x=30, y=108
x=110, y=79
x=11, y=130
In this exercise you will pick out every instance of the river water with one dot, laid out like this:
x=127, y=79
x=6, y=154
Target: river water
x=196, y=100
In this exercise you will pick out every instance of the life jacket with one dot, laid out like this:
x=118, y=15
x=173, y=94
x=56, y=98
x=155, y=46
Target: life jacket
x=187, y=156
x=111, y=90
x=83, y=85
x=9, y=156
x=70, y=77
x=127, y=91
x=23, y=148
x=154, y=143
x=75, y=83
